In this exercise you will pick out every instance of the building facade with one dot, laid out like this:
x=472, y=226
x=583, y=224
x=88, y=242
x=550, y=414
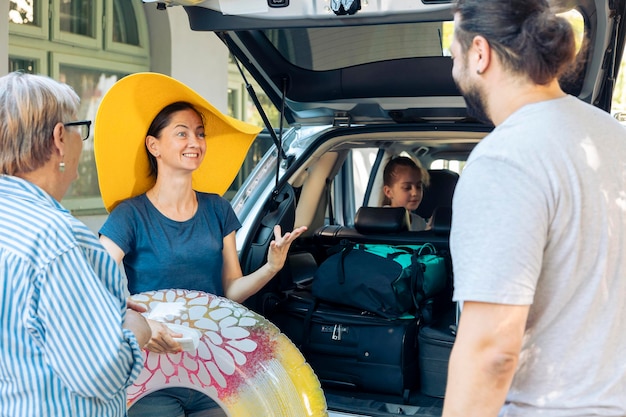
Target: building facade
x=90, y=44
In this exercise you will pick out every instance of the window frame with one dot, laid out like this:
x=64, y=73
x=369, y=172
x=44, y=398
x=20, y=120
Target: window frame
x=60, y=58
x=87, y=204
x=37, y=55
x=51, y=49
x=39, y=32
x=142, y=28
x=58, y=35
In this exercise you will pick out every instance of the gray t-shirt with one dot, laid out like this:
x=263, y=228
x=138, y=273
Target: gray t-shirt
x=539, y=219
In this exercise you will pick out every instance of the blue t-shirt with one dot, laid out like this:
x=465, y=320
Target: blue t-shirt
x=161, y=253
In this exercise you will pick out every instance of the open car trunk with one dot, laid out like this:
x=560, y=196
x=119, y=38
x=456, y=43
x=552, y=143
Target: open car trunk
x=356, y=85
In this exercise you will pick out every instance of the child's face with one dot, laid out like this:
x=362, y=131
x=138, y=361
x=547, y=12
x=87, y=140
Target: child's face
x=407, y=189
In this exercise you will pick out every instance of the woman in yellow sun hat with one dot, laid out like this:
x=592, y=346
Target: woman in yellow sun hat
x=168, y=221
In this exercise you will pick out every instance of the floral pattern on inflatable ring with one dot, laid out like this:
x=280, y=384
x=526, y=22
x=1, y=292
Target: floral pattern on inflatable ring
x=232, y=339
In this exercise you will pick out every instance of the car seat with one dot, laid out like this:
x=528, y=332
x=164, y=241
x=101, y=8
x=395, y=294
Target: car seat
x=438, y=193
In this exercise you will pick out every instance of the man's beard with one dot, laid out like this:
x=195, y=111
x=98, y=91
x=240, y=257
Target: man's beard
x=474, y=99
x=475, y=104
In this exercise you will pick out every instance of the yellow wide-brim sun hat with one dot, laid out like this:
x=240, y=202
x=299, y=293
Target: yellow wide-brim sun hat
x=122, y=121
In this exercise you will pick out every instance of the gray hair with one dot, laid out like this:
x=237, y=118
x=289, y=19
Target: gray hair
x=30, y=108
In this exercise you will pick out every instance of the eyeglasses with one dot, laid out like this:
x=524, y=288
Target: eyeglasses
x=84, y=127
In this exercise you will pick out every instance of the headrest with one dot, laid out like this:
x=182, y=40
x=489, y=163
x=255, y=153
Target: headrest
x=374, y=220
x=439, y=192
x=442, y=220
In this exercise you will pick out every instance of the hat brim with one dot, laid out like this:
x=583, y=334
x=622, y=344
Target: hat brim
x=124, y=115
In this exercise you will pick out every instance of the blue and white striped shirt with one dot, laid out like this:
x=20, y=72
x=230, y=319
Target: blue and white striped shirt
x=63, y=351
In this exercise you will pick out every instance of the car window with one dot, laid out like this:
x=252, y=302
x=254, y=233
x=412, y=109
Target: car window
x=350, y=185
x=451, y=164
x=360, y=181
x=328, y=48
x=362, y=162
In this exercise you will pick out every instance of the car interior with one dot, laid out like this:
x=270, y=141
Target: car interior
x=337, y=193
x=355, y=91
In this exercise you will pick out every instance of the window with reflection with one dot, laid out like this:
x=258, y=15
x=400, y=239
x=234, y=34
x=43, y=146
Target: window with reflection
x=19, y=64
x=39, y=45
x=77, y=16
x=91, y=85
x=124, y=23
x=22, y=12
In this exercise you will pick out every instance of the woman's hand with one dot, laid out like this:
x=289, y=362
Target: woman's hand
x=136, y=323
x=162, y=340
x=279, y=247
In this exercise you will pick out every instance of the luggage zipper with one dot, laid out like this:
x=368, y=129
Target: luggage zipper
x=336, y=331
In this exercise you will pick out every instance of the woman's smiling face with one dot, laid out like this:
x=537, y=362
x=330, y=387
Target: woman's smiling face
x=182, y=144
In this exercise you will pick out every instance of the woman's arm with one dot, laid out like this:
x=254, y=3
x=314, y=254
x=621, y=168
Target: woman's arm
x=115, y=251
x=162, y=340
x=237, y=287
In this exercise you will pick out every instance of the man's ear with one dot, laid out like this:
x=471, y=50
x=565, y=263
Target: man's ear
x=482, y=53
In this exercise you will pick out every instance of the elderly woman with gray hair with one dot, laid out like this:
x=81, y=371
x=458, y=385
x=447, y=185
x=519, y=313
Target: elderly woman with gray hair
x=69, y=342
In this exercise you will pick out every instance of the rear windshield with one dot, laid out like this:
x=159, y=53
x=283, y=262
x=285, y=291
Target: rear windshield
x=328, y=48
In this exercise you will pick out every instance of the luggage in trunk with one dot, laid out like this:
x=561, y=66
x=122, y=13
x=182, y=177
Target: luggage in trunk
x=350, y=349
x=435, y=345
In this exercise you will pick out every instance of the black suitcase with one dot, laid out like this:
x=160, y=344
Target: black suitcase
x=435, y=345
x=350, y=349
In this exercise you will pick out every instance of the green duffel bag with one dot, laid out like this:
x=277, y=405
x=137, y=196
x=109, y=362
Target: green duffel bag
x=388, y=280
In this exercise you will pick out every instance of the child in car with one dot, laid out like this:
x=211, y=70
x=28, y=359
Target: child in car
x=404, y=180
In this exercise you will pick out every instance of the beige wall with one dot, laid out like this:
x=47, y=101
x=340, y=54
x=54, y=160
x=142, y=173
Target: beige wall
x=199, y=59
x=160, y=39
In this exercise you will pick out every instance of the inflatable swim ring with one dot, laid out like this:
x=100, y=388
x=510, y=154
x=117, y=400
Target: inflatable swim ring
x=242, y=360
